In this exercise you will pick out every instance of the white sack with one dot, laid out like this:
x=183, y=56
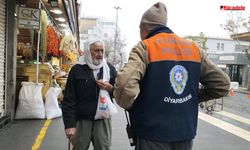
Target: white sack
x=52, y=109
x=30, y=104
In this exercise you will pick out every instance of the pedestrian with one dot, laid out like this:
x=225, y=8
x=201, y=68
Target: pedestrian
x=81, y=98
x=159, y=85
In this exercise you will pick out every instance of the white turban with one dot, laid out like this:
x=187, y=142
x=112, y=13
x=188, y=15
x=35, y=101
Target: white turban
x=87, y=59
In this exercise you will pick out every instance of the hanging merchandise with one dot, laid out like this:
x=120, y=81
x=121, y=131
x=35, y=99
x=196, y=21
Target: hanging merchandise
x=53, y=42
x=43, y=28
x=68, y=47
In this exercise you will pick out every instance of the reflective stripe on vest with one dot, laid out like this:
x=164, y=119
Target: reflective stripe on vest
x=171, y=47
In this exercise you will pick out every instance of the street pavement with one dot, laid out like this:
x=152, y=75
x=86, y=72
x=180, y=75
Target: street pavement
x=217, y=130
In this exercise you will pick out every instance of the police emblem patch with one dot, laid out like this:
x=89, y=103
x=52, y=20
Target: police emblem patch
x=178, y=78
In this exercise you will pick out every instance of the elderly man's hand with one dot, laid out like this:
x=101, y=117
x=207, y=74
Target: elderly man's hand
x=104, y=85
x=70, y=133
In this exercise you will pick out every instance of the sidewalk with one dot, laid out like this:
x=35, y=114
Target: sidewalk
x=243, y=90
x=22, y=134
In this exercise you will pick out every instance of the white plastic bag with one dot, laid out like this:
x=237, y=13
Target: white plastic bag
x=105, y=107
x=30, y=104
x=52, y=109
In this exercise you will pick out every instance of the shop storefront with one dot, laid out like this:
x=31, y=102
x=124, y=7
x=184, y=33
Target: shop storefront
x=7, y=24
x=245, y=36
x=236, y=65
x=2, y=56
x=33, y=47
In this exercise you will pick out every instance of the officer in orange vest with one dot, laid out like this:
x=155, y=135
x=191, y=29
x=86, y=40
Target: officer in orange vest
x=159, y=86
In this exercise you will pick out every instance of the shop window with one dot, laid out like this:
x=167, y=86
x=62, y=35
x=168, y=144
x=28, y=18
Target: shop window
x=236, y=73
x=218, y=46
x=222, y=46
x=85, y=31
x=90, y=31
x=241, y=48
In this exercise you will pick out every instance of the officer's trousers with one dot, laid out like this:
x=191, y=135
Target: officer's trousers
x=142, y=144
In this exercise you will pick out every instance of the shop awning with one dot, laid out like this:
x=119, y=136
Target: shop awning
x=241, y=36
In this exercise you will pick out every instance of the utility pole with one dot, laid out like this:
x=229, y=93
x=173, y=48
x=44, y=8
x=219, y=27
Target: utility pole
x=117, y=8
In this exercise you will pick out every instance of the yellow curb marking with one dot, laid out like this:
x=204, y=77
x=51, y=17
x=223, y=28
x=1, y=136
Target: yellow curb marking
x=41, y=135
x=225, y=126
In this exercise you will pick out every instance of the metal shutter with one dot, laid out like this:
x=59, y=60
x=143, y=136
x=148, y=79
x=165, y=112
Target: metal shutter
x=2, y=55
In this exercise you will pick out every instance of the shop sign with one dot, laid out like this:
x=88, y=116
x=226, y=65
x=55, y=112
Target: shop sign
x=234, y=85
x=28, y=18
x=226, y=58
x=222, y=66
x=213, y=56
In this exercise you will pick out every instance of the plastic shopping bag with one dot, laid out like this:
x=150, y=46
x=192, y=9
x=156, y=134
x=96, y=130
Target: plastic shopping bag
x=105, y=107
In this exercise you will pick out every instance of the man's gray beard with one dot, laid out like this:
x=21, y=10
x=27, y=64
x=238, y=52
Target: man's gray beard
x=97, y=61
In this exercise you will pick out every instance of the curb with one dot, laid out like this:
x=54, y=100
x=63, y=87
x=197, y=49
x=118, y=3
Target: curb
x=243, y=92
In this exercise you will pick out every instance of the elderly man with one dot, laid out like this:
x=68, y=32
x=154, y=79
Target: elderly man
x=81, y=98
x=159, y=85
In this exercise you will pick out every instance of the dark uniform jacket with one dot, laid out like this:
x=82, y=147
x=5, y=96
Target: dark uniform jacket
x=159, y=86
x=81, y=94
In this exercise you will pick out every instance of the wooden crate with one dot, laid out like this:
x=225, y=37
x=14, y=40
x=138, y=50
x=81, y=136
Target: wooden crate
x=44, y=76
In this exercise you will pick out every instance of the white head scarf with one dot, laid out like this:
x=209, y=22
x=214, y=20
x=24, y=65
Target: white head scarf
x=87, y=59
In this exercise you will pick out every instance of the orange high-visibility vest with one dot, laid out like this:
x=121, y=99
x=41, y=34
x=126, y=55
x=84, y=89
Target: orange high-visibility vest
x=166, y=108
x=171, y=47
